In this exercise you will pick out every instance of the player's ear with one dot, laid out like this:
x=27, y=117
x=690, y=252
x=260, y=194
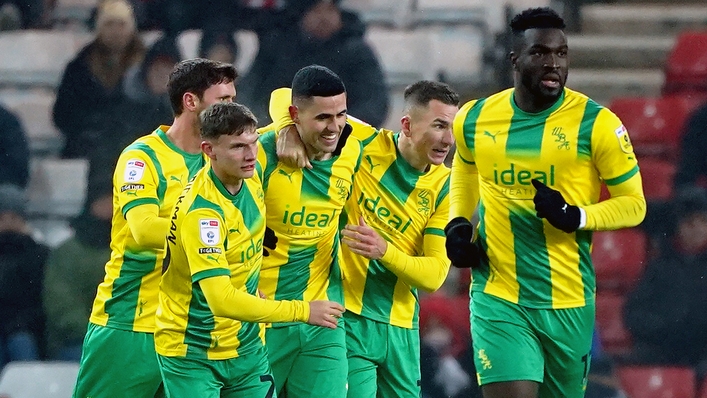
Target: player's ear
x=513, y=57
x=208, y=148
x=190, y=101
x=294, y=113
x=405, y=125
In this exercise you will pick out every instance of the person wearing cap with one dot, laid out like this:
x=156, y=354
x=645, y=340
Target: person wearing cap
x=666, y=312
x=91, y=87
x=22, y=261
x=319, y=32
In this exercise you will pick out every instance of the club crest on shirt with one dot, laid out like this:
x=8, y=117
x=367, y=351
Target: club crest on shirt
x=134, y=170
x=209, y=231
x=624, y=141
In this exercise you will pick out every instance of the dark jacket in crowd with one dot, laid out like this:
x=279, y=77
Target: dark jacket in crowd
x=14, y=150
x=22, y=262
x=286, y=50
x=667, y=311
x=87, y=107
x=693, y=162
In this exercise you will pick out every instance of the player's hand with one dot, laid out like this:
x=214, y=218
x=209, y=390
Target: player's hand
x=364, y=240
x=290, y=148
x=325, y=313
x=460, y=250
x=551, y=205
x=269, y=241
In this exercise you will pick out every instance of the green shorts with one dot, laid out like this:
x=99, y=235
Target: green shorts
x=549, y=346
x=384, y=360
x=308, y=361
x=118, y=363
x=247, y=376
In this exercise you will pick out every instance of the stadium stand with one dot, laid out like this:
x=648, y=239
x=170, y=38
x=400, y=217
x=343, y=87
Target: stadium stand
x=57, y=187
x=657, y=178
x=657, y=382
x=686, y=67
x=38, y=379
x=619, y=258
x=655, y=124
x=615, y=338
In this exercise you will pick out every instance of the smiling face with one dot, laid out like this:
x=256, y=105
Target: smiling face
x=320, y=121
x=541, y=64
x=430, y=131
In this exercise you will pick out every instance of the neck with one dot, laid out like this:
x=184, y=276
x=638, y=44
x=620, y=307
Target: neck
x=232, y=184
x=317, y=155
x=184, y=133
x=407, y=151
x=527, y=102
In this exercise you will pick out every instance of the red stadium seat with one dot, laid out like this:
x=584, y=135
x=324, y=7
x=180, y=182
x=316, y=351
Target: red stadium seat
x=655, y=125
x=657, y=178
x=619, y=258
x=686, y=66
x=657, y=382
x=614, y=337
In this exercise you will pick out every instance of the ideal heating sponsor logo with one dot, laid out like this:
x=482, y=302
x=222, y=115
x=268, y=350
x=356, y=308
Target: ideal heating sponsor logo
x=515, y=181
x=384, y=217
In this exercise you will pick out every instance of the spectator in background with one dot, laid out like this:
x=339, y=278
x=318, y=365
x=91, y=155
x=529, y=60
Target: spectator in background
x=446, y=361
x=14, y=150
x=22, y=263
x=692, y=168
x=74, y=271
x=216, y=19
x=322, y=34
x=667, y=311
x=145, y=87
x=218, y=46
x=91, y=88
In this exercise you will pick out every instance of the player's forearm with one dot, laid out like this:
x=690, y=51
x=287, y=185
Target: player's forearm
x=626, y=207
x=464, y=188
x=146, y=226
x=228, y=302
x=423, y=272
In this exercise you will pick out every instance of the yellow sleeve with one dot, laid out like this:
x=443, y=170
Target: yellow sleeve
x=212, y=271
x=146, y=227
x=279, y=108
x=426, y=272
x=612, y=154
x=464, y=185
x=136, y=183
x=135, y=180
x=227, y=301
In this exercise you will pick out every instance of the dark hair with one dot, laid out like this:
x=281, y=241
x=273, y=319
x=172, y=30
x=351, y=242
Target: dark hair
x=196, y=76
x=316, y=81
x=536, y=18
x=226, y=118
x=424, y=91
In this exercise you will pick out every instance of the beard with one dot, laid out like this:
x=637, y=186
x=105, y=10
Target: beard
x=536, y=87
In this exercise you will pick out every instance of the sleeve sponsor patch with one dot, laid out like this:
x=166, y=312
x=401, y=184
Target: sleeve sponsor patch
x=209, y=250
x=132, y=187
x=209, y=231
x=624, y=141
x=134, y=170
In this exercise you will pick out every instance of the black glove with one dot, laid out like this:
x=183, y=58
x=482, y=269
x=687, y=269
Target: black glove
x=550, y=204
x=460, y=250
x=269, y=241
